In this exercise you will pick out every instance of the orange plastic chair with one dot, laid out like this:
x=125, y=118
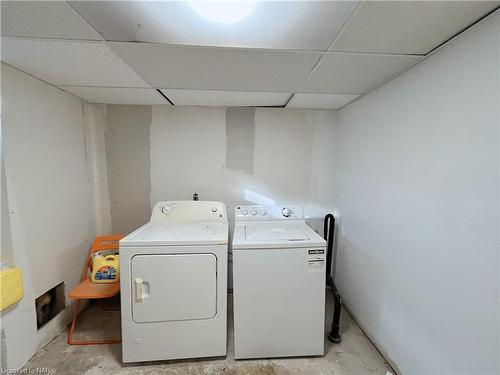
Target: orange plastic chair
x=89, y=290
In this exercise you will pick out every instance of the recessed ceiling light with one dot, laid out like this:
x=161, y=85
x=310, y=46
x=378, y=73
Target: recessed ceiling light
x=223, y=11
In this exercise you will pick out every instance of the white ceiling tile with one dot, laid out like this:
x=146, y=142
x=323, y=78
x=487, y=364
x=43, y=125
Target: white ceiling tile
x=226, y=98
x=354, y=73
x=307, y=25
x=44, y=19
x=117, y=95
x=69, y=63
x=319, y=101
x=408, y=27
x=217, y=68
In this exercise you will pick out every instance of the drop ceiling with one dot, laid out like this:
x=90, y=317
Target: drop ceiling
x=298, y=54
x=64, y=62
x=187, y=67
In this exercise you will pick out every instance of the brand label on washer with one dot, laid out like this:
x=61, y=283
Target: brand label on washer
x=316, y=260
x=314, y=251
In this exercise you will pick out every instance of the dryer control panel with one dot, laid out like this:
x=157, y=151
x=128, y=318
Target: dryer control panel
x=265, y=213
x=189, y=211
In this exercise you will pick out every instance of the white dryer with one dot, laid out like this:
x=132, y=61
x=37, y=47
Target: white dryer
x=278, y=284
x=174, y=283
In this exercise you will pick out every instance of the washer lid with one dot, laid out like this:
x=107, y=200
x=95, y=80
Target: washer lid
x=161, y=233
x=274, y=232
x=275, y=235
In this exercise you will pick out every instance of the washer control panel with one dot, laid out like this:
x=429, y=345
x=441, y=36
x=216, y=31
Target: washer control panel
x=189, y=211
x=260, y=213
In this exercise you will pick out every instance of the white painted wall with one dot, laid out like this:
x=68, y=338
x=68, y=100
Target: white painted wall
x=188, y=155
x=417, y=188
x=50, y=198
x=127, y=156
x=5, y=241
x=94, y=118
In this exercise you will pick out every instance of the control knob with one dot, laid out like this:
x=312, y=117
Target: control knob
x=286, y=212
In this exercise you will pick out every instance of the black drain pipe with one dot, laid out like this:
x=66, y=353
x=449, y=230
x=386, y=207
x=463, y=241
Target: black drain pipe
x=329, y=235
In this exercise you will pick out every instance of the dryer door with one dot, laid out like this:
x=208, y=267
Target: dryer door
x=171, y=287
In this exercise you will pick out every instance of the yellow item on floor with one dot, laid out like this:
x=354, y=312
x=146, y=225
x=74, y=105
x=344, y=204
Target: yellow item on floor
x=11, y=285
x=106, y=269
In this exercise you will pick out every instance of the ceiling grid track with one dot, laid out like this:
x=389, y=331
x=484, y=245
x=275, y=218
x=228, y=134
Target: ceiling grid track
x=165, y=96
x=84, y=20
x=333, y=39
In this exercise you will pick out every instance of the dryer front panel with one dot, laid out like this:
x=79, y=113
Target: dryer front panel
x=173, y=287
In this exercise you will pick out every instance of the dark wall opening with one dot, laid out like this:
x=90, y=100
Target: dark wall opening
x=49, y=304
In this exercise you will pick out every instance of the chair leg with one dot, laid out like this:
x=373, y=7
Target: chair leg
x=81, y=342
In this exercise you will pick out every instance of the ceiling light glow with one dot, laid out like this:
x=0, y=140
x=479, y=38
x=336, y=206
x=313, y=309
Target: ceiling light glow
x=223, y=11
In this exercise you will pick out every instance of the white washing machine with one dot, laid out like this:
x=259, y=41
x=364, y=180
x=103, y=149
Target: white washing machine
x=174, y=283
x=278, y=283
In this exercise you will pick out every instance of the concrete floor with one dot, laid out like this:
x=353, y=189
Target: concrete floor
x=356, y=355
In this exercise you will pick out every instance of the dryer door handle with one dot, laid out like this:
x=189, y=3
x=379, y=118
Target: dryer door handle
x=138, y=289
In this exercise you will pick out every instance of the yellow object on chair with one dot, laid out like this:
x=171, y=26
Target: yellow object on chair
x=106, y=269
x=11, y=286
